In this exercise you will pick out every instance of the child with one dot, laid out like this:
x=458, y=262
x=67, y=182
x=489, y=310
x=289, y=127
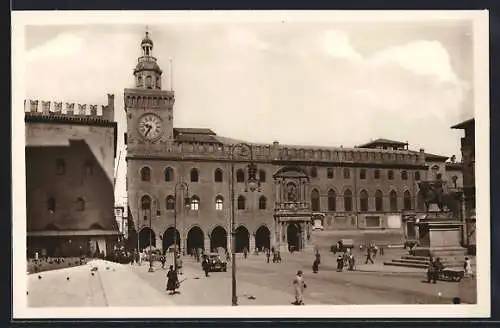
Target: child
x=467, y=267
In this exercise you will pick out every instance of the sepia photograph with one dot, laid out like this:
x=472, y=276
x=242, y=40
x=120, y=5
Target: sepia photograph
x=250, y=163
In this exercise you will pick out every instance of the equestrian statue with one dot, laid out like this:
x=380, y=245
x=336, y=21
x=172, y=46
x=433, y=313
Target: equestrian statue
x=433, y=193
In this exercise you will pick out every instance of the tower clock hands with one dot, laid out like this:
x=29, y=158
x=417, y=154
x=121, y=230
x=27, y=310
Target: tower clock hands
x=148, y=129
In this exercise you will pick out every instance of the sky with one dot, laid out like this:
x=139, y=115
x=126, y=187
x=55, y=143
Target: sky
x=301, y=83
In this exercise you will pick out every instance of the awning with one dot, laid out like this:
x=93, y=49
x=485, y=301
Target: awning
x=69, y=233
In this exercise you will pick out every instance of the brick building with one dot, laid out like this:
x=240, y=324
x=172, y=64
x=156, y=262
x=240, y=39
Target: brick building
x=301, y=187
x=69, y=178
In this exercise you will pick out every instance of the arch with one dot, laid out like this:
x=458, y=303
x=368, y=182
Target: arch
x=407, y=203
x=195, y=203
x=314, y=172
x=146, y=202
x=262, y=203
x=293, y=234
x=347, y=200
x=332, y=200
x=404, y=175
x=218, y=175
x=194, y=175
x=80, y=204
x=363, y=201
x=294, y=171
x=170, y=203
x=347, y=173
x=262, y=176
x=145, y=173
x=195, y=239
x=240, y=175
x=147, y=238
x=393, y=201
x=241, y=202
x=169, y=174
x=241, y=239
x=315, y=201
x=263, y=238
x=168, y=238
x=51, y=204
x=379, y=201
x=219, y=203
x=218, y=238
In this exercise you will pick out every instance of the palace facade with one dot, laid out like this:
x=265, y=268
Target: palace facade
x=179, y=180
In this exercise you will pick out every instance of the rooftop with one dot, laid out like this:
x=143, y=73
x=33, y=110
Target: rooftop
x=464, y=124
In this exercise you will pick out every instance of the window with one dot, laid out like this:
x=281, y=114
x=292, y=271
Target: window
x=218, y=175
x=372, y=221
x=51, y=205
x=80, y=204
x=145, y=174
x=315, y=204
x=363, y=201
x=194, y=175
x=146, y=202
x=407, y=201
x=88, y=168
x=262, y=203
x=241, y=203
x=379, y=201
x=404, y=175
x=219, y=203
x=170, y=203
x=362, y=174
x=262, y=176
x=240, y=175
x=332, y=199
x=376, y=174
x=314, y=172
x=393, y=201
x=60, y=167
x=347, y=173
x=329, y=173
x=417, y=176
x=195, y=203
x=169, y=174
x=390, y=175
x=347, y=200
x=435, y=171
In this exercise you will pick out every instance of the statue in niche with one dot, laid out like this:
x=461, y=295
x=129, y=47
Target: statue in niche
x=291, y=192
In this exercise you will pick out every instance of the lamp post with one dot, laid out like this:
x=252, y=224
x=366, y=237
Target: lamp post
x=185, y=188
x=158, y=214
x=253, y=184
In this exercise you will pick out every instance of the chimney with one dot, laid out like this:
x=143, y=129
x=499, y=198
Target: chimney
x=421, y=156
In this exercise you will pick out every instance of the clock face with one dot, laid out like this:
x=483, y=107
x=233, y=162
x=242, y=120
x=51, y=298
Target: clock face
x=150, y=126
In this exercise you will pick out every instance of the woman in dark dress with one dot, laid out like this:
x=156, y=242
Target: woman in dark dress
x=172, y=280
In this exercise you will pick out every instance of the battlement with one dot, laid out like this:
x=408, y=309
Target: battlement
x=42, y=107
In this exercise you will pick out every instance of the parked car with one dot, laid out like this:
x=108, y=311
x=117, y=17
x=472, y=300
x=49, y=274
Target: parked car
x=342, y=245
x=216, y=263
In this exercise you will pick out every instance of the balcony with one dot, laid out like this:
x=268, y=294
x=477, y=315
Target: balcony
x=292, y=206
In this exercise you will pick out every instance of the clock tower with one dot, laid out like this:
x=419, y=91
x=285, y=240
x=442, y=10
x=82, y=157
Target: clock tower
x=149, y=109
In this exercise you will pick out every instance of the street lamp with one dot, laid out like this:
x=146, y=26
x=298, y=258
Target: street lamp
x=253, y=184
x=185, y=189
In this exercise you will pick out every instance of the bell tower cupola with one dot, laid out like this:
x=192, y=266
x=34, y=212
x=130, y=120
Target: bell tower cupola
x=147, y=72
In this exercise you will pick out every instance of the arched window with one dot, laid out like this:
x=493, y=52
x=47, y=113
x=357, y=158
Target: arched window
x=262, y=203
x=88, y=168
x=393, y=201
x=194, y=175
x=51, y=205
x=347, y=173
x=314, y=172
x=146, y=202
x=390, y=175
x=145, y=174
x=376, y=174
x=219, y=203
x=347, y=200
x=407, y=201
x=80, y=204
x=241, y=202
x=262, y=176
x=315, y=203
x=218, y=175
x=404, y=175
x=240, y=175
x=362, y=174
x=169, y=174
x=417, y=176
x=170, y=203
x=379, y=201
x=454, y=180
x=363, y=201
x=332, y=200
x=435, y=171
x=60, y=167
x=195, y=203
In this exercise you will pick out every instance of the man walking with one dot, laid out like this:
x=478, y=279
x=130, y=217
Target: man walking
x=299, y=286
x=369, y=255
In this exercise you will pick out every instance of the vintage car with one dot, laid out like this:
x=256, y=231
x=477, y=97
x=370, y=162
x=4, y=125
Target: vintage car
x=215, y=263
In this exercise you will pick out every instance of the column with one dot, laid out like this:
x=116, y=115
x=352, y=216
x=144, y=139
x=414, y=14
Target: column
x=206, y=243
x=252, y=243
x=159, y=243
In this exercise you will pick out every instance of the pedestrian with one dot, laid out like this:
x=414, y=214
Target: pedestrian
x=375, y=250
x=318, y=257
x=172, y=280
x=315, y=266
x=179, y=264
x=467, y=268
x=205, y=266
x=299, y=286
x=163, y=260
x=351, y=262
x=369, y=255
x=245, y=253
x=340, y=263
x=268, y=255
